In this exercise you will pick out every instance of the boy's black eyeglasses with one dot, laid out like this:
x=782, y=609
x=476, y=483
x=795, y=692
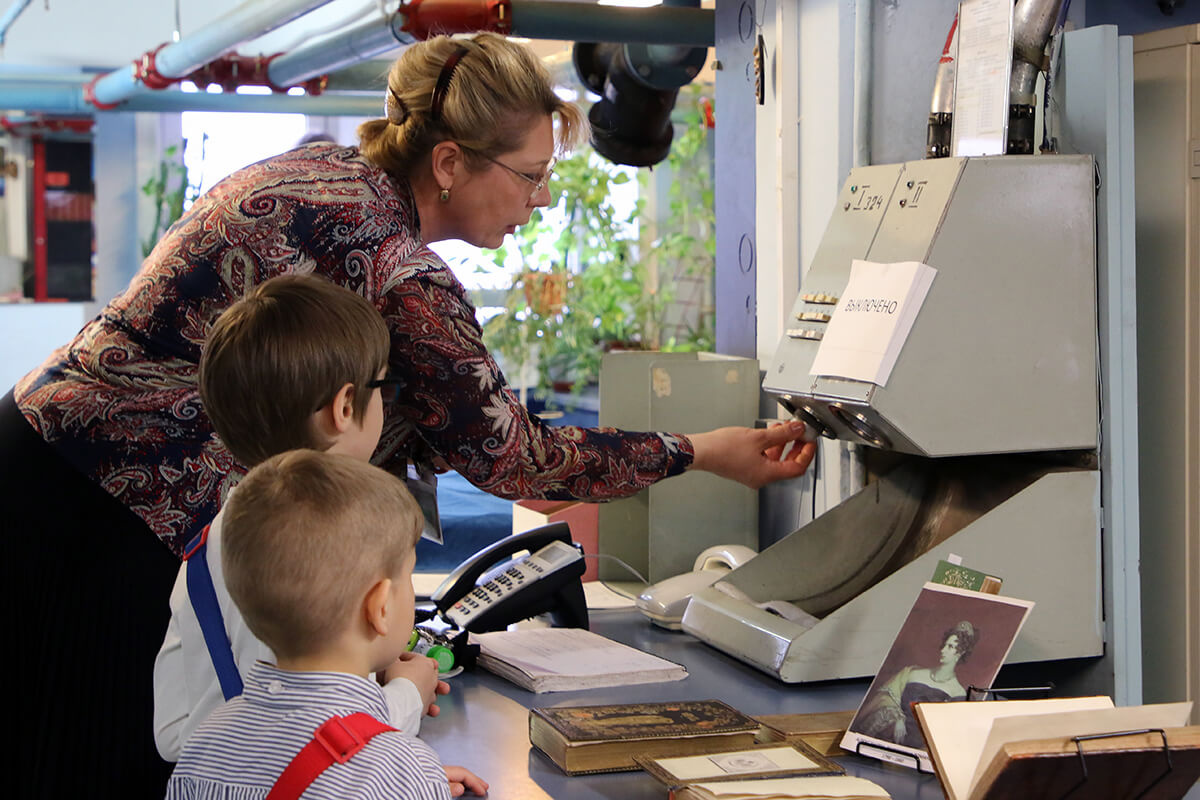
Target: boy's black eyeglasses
x=388, y=386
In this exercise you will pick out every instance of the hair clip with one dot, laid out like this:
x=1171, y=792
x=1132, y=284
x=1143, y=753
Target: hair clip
x=394, y=108
x=443, y=83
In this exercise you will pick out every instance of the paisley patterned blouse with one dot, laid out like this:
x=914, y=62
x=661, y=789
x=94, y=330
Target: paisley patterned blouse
x=120, y=402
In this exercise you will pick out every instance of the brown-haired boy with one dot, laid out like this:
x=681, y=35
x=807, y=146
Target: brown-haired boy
x=297, y=363
x=319, y=553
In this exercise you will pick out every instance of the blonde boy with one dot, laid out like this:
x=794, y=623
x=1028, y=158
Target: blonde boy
x=319, y=552
x=297, y=363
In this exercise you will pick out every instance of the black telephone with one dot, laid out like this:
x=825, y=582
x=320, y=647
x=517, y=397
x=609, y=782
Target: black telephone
x=491, y=590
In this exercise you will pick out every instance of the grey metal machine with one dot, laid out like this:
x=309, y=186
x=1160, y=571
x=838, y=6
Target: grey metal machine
x=984, y=437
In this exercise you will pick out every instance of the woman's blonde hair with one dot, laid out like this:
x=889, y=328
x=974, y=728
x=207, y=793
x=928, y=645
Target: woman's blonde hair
x=495, y=90
x=304, y=536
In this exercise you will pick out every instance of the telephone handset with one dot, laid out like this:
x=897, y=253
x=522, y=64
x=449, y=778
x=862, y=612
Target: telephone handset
x=491, y=590
x=664, y=602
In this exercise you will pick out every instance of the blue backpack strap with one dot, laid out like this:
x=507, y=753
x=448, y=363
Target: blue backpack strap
x=203, y=595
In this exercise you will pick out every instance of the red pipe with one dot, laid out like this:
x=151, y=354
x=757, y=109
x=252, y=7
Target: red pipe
x=455, y=16
x=40, y=286
x=231, y=71
x=228, y=71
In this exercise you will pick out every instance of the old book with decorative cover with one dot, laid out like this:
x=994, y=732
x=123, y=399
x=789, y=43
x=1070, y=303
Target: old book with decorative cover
x=605, y=738
x=820, y=730
x=950, y=574
x=780, y=760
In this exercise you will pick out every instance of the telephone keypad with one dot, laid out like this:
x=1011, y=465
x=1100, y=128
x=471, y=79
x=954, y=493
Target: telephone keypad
x=544, y=562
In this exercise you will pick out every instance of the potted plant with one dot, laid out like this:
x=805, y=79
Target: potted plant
x=169, y=189
x=577, y=281
x=580, y=286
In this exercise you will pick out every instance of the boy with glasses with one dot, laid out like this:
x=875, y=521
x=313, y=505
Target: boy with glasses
x=298, y=363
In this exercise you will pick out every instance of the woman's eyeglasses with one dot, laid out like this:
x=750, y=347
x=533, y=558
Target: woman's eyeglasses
x=538, y=181
x=388, y=386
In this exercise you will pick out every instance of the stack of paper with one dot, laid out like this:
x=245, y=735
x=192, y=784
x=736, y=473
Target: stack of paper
x=566, y=659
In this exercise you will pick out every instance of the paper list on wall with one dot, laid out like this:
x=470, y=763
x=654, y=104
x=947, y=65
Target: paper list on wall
x=981, y=78
x=872, y=320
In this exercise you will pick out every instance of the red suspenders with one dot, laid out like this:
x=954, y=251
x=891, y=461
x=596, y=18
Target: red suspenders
x=337, y=740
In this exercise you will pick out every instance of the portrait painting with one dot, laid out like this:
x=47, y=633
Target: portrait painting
x=952, y=639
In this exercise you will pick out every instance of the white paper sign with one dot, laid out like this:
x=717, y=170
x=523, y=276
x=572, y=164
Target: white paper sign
x=981, y=78
x=872, y=320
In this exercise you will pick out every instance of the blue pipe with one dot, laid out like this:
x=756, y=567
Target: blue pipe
x=247, y=21
x=59, y=96
x=11, y=15
x=360, y=43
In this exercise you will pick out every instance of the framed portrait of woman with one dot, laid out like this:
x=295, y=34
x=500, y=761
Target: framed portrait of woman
x=951, y=640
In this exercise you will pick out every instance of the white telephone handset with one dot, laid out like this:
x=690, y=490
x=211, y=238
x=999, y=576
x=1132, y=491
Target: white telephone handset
x=664, y=602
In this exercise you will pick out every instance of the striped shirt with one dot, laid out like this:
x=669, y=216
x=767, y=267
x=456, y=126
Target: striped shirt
x=243, y=747
x=186, y=687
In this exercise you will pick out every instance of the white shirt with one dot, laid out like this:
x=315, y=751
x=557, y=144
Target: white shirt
x=243, y=747
x=186, y=689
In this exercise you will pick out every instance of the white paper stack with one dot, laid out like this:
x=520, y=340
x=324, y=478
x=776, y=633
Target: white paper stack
x=566, y=659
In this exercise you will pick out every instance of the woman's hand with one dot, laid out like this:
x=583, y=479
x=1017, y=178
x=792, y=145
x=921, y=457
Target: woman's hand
x=462, y=780
x=754, y=456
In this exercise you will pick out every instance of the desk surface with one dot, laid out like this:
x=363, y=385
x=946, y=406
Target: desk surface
x=483, y=722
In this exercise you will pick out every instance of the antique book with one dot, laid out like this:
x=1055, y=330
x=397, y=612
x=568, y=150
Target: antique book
x=781, y=760
x=950, y=574
x=1047, y=748
x=830, y=787
x=820, y=730
x=951, y=640
x=605, y=738
x=568, y=659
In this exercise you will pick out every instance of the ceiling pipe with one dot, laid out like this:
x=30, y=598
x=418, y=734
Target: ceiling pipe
x=174, y=61
x=538, y=19
x=665, y=24
x=365, y=76
x=58, y=94
x=11, y=15
x=351, y=46
x=421, y=19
